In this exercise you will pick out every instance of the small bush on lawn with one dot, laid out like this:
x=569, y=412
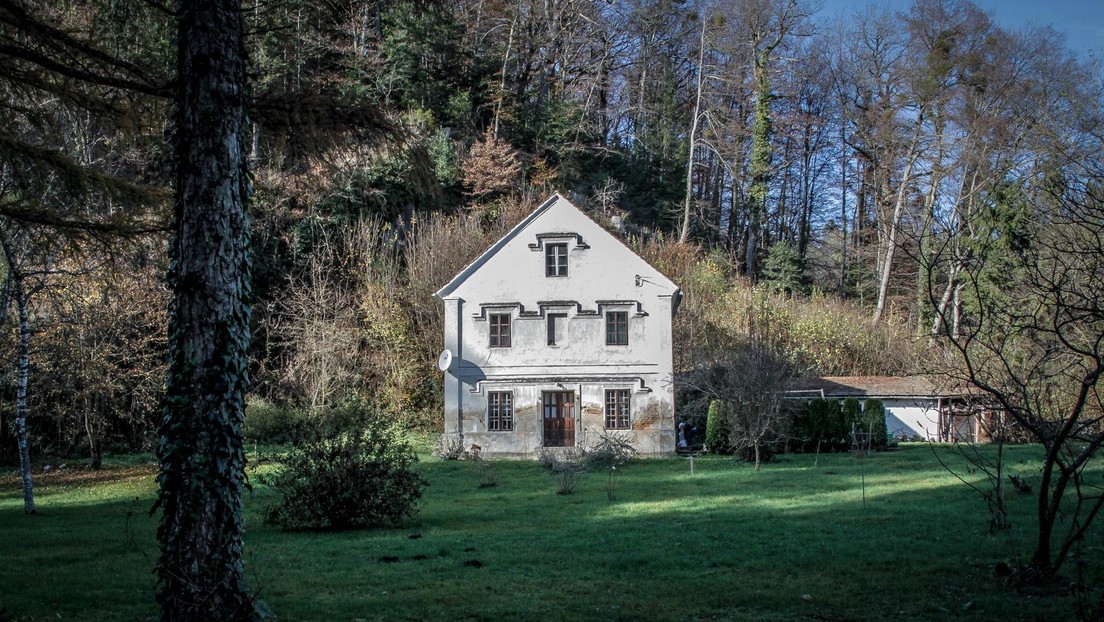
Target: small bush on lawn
x=611, y=450
x=348, y=480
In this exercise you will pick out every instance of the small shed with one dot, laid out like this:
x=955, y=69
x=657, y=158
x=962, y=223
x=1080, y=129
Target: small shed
x=916, y=407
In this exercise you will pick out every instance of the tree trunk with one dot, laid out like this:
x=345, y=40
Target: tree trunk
x=684, y=230
x=898, y=208
x=200, y=571
x=925, y=251
x=760, y=162
x=95, y=447
x=16, y=289
x=23, y=442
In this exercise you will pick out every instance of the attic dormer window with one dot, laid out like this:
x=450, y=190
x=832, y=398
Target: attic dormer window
x=555, y=259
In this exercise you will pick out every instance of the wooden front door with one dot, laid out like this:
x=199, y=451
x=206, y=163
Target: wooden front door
x=559, y=419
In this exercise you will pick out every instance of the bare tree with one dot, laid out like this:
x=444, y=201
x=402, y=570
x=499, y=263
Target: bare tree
x=318, y=327
x=750, y=380
x=1033, y=339
x=25, y=270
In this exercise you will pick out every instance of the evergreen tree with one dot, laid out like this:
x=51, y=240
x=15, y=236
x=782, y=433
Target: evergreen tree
x=200, y=571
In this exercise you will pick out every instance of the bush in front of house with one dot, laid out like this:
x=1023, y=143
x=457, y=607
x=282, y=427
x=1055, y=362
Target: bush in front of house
x=825, y=425
x=874, y=416
x=852, y=412
x=611, y=451
x=716, y=428
x=350, y=479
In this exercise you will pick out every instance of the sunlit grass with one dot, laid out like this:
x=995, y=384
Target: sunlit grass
x=834, y=537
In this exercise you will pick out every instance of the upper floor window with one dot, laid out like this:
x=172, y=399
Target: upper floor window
x=555, y=259
x=500, y=330
x=617, y=328
x=500, y=411
x=617, y=409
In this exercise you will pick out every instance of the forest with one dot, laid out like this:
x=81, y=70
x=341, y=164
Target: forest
x=859, y=191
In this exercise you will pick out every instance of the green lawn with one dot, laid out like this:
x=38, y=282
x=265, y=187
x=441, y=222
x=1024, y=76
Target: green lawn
x=791, y=542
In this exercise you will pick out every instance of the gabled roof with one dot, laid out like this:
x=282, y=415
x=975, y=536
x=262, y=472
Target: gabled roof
x=592, y=232
x=875, y=386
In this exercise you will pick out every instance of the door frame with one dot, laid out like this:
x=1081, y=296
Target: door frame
x=558, y=406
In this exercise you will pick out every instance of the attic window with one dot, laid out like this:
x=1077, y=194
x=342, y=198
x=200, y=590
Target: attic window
x=555, y=259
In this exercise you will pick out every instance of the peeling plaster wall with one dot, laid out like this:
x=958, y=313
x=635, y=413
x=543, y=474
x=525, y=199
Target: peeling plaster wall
x=603, y=275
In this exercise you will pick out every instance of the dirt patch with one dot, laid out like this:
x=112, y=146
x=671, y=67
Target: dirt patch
x=79, y=475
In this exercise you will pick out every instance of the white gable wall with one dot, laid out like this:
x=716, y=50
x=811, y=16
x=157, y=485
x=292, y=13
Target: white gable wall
x=603, y=275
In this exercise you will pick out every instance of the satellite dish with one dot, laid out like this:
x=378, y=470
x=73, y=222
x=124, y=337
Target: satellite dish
x=445, y=360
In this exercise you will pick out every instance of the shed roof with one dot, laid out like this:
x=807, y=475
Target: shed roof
x=877, y=386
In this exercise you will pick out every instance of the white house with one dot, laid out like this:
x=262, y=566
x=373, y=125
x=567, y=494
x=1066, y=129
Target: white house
x=556, y=335
x=916, y=407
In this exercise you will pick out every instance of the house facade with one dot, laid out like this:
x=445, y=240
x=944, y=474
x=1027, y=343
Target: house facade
x=557, y=335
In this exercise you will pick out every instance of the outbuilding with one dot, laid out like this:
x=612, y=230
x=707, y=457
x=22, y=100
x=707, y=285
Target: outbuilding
x=916, y=407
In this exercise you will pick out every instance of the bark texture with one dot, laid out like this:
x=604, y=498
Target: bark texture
x=17, y=290
x=200, y=572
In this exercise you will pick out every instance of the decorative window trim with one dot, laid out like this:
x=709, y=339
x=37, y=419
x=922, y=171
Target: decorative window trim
x=500, y=411
x=564, y=236
x=618, y=409
x=617, y=328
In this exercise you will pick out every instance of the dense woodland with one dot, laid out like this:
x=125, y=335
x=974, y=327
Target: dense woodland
x=847, y=190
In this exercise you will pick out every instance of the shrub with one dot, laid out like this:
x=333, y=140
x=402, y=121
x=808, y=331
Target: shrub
x=825, y=425
x=266, y=422
x=449, y=447
x=800, y=424
x=565, y=465
x=852, y=413
x=716, y=428
x=611, y=450
x=766, y=453
x=852, y=418
x=874, y=415
x=348, y=480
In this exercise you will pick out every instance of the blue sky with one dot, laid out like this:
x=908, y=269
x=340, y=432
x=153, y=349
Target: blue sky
x=1082, y=21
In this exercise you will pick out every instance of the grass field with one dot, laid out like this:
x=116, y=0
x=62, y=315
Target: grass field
x=800, y=540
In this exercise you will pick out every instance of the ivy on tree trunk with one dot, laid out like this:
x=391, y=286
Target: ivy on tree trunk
x=200, y=572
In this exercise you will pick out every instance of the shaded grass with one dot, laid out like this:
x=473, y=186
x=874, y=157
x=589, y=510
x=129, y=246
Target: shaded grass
x=793, y=541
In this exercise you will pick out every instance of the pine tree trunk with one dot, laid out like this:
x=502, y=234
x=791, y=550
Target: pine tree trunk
x=200, y=572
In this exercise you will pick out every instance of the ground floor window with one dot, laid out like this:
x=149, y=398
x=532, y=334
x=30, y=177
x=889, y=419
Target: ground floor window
x=500, y=411
x=617, y=409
